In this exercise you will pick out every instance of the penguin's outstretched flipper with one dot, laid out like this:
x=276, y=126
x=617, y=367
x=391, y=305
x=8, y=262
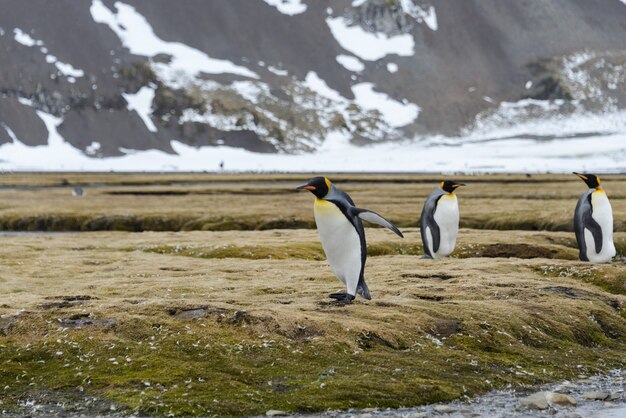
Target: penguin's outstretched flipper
x=373, y=217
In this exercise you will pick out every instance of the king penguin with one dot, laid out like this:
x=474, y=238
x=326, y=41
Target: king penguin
x=342, y=234
x=593, y=223
x=439, y=223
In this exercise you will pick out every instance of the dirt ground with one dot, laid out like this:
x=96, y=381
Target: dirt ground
x=237, y=321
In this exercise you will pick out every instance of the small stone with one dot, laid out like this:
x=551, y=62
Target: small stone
x=595, y=396
x=417, y=415
x=615, y=396
x=555, y=398
x=366, y=415
x=275, y=413
x=536, y=401
x=442, y=409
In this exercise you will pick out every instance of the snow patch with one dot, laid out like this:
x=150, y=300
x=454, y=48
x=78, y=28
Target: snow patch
x=396, y=113
x=421, y=14
x=315, y=83
x=10, y=132
x=392, y=67
x=350, y=63
x=369, y=46
x=357, y=3
x=141, y=102
x=68, y=70
x=1, y=32
x=25, y=101
x=288, y=7
x=277, y=71
x=93, y=148
x=137, y=35
x=25, y=39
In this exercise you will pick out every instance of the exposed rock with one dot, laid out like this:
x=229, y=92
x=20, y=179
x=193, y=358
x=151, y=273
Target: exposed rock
x=561, y=399
x=595, y=396
x=536, y=401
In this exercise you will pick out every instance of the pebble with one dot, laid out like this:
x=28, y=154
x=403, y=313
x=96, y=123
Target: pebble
x=275, y=413
x=595, y=396
x=417, y=415
x=442, y=409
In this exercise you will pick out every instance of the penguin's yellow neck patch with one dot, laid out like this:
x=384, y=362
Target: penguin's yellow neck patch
x=599, y=190
x=324, y=207
x=450, y=195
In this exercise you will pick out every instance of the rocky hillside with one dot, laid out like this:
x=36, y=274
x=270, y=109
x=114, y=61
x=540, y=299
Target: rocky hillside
x=111, y=77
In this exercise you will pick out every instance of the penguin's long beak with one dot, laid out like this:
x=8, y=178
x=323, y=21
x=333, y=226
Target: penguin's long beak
x=585, y=178
x=455, y=185
x=305, y=187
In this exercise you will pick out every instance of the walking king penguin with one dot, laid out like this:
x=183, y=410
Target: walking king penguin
x=439, y=223
x=342, y=235
x=593, y=223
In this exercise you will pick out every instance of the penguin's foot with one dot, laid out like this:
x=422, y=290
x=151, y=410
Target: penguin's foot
x=346, y=300
x=338, y=295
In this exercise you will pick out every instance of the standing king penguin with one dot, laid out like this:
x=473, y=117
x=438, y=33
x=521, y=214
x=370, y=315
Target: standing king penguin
x=343, y=236
x=593, y=223
x=439, y=223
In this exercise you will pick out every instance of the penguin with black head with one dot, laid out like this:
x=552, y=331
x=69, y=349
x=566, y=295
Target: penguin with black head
x=343, y=236
x=593, y=222
x=439, y=222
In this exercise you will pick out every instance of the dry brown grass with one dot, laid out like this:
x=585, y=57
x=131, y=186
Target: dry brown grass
x=213, y=202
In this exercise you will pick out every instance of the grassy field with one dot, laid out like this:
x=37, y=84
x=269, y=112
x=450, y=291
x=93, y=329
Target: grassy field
x=220, y=306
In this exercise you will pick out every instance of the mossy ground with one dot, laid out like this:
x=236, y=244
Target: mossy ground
x=234, y=323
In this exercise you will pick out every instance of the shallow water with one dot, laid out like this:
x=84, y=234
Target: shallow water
x=35, y=233
x=506, y=403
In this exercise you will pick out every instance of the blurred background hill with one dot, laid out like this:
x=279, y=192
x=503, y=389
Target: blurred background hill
x=105, y=84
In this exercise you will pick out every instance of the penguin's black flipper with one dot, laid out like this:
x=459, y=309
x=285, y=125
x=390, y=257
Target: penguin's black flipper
x=583, y=219
x=373, y=217
x=595, y=229
x=427, y=220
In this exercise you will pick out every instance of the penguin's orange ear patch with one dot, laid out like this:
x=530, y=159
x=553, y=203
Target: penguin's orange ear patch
x=327, y=182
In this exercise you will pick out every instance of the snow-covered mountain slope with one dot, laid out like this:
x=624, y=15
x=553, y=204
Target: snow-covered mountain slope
x=301, y=84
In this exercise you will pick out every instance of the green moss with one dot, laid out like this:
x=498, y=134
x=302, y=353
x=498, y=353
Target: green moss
x=611, y=281
x=160, y=366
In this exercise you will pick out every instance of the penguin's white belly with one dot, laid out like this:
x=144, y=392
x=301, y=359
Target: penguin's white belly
x=603, y=215
x=340, y=241
x=447, y=217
